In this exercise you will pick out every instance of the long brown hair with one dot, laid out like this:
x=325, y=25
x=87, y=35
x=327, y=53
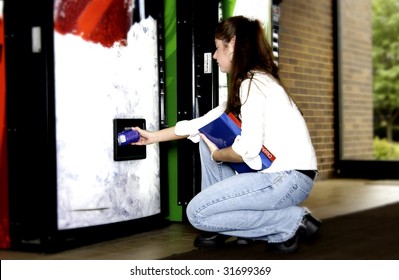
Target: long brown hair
x=252, y=53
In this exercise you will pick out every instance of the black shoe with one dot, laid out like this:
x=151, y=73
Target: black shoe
x=312, y=226
x=307, y=230
x=287, y=247
x=244, y=241
x=210, y=239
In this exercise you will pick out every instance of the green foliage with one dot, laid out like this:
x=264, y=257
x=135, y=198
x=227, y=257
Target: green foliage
x=385, y=23
x=382, y=133
x=385, y=150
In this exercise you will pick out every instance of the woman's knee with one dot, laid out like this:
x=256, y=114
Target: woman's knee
x=190, y=213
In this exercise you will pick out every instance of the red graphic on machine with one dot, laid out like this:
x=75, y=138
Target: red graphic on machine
x=98, y=21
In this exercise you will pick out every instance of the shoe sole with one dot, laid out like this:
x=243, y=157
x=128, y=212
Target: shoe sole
x=277, y=248
x=243, y=241
x=216, y=242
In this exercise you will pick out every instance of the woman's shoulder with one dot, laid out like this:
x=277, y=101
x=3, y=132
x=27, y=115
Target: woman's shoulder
x=263, y=77
x=260, y=80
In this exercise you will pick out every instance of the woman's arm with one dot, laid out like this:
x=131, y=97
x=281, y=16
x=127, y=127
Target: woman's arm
x=226, y=154
x=150, y=137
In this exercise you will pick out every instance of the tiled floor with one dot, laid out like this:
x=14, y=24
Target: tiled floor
x=329, y=198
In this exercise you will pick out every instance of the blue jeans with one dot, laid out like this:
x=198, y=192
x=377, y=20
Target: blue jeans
x=259, y=206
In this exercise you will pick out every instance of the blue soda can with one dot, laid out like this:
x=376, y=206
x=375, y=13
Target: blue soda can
x=127, y=137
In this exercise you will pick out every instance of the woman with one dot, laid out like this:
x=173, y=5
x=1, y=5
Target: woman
x=259, y=205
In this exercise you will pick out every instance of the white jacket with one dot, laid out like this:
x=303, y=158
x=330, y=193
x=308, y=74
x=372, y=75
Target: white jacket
x=270, y=118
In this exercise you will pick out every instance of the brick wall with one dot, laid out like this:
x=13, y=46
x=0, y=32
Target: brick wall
x=356, y=79
x=306, y=60
x=307, y=67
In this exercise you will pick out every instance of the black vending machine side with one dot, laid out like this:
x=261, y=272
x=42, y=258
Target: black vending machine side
x=197, y=82
x=30, y=125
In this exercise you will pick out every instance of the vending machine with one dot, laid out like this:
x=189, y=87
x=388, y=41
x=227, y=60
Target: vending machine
x=78, y=73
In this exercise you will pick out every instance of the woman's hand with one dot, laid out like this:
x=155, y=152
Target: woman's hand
x=146, y=137
x=226, y=154
x=212, y=147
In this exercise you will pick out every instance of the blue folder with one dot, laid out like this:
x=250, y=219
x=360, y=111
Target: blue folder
x=223, y=131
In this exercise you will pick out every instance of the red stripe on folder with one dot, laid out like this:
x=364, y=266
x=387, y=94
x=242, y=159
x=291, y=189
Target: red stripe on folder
x=264, y=150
